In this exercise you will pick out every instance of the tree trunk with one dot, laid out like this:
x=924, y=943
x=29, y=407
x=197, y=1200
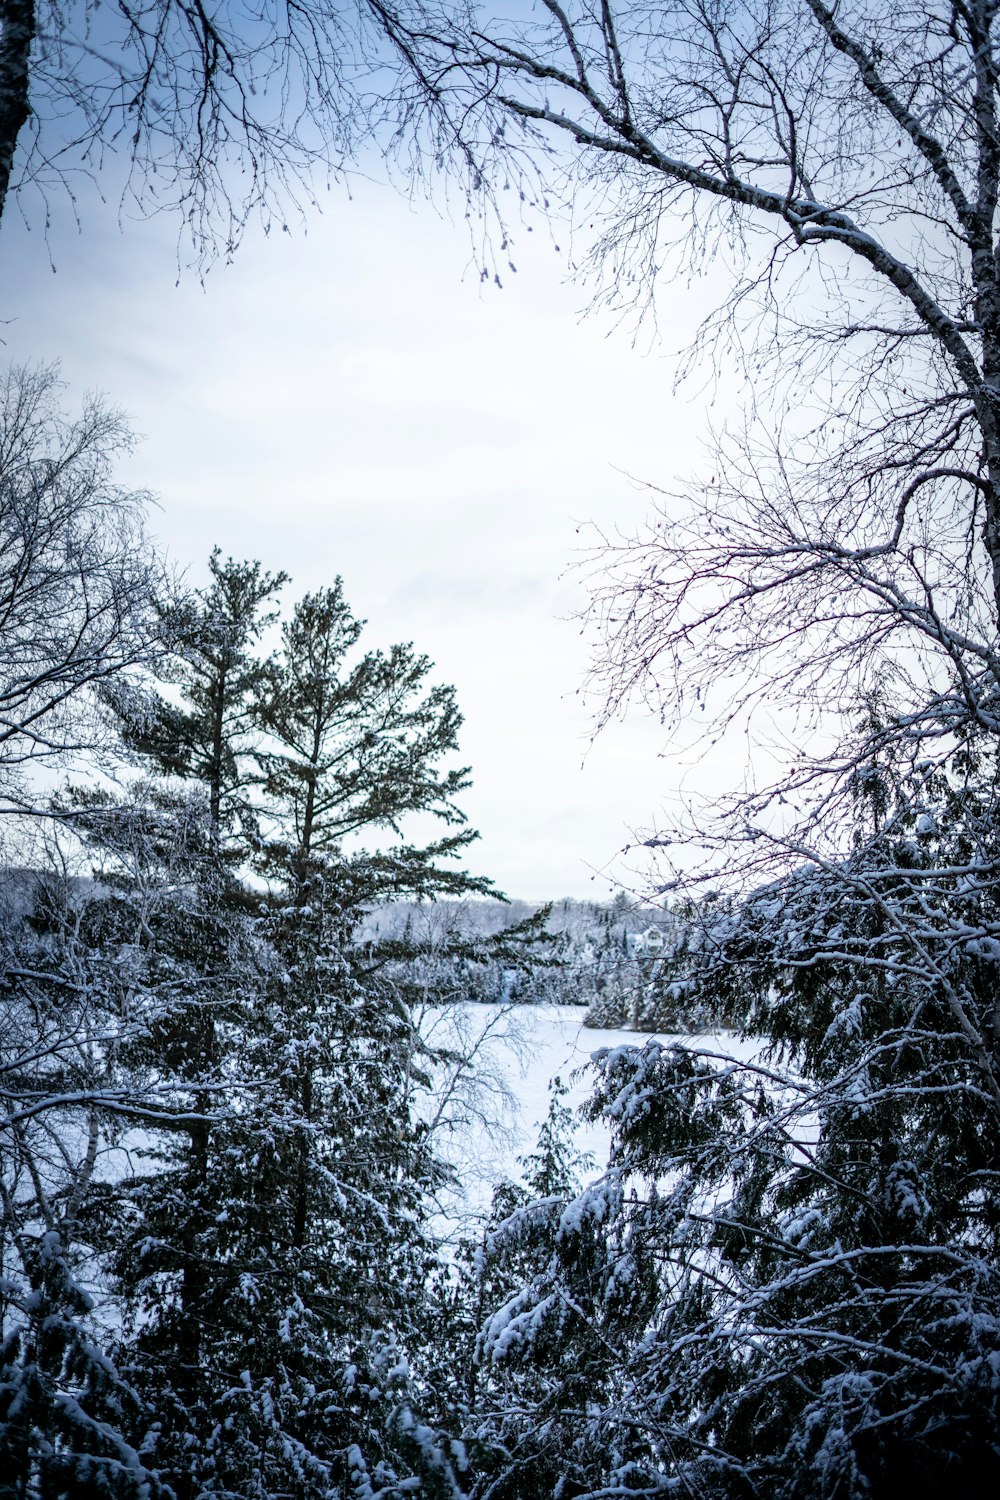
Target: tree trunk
x=17, y=32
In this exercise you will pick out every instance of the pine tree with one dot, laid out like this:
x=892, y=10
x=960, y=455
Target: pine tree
x=276, y=1262
x=357, y=742
x=208, y=739
x=205, y=945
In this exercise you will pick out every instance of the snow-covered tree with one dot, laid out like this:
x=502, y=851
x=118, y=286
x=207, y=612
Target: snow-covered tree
x=484, y=1399
x=77, y=1002
x=81, y=595
x=787, y=1280
x=275, y=1258
x=795, y=1295
x=63, y=1403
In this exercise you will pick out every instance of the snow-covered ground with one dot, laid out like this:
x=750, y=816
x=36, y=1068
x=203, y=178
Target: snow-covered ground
x=488, y=1115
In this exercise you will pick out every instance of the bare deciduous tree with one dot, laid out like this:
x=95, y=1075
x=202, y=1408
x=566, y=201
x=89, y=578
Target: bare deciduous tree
x=845, y=162
x=796, y=1260
x=79, y=583
x=216, y=111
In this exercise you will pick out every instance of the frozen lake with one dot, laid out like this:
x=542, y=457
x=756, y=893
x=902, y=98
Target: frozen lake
x=490, y=1116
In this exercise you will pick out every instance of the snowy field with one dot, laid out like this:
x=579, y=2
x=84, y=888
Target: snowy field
x=488, y=1114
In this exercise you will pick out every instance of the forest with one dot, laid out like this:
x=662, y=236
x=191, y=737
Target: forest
x=235, y=861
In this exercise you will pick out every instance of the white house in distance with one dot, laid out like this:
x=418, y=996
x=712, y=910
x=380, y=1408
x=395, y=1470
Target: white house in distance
x=650, y=942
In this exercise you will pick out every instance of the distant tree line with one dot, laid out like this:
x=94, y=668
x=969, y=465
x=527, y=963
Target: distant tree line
x=629, y=964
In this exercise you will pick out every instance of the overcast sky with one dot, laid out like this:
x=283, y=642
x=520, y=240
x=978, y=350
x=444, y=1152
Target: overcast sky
x=353, y=401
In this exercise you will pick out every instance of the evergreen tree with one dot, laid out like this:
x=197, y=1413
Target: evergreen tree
x=357, y=743
x=174, y=1267
x=276, y=1263
x=786, y=1282
x=64, y=1404
x=475, y=1376
x=209, y=737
